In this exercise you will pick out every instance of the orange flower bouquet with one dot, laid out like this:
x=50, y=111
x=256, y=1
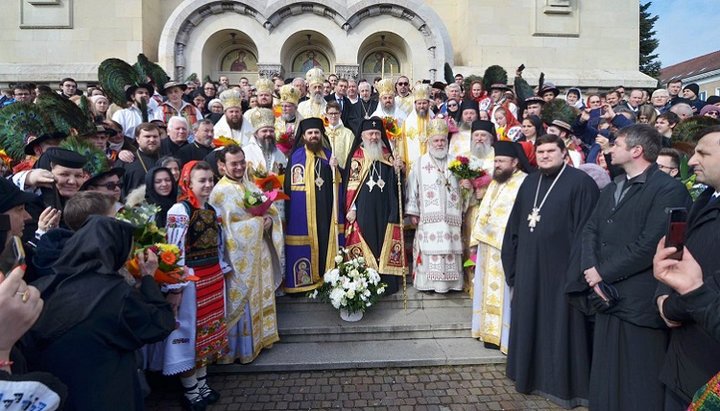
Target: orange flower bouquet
x=392, y=130
x=222, y=141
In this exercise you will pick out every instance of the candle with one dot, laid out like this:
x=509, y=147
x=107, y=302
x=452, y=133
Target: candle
x=382, y=72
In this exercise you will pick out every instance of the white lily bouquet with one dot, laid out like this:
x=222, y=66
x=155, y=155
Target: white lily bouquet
x=352, y=286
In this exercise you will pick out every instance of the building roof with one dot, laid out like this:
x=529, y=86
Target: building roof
x=692, y=68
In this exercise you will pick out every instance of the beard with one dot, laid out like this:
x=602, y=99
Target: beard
x=265, y=105
x=314, y=146
x=422, y=113
x=373, y=151
x=481, y=150
x=317, y=98
x=502, y=176
x=438, y=154
x=288, y=117
x=464, y=125
x=234, y=124
x=267, y=145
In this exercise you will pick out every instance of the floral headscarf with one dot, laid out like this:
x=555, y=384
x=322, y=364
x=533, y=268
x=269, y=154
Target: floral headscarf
x=185, y=191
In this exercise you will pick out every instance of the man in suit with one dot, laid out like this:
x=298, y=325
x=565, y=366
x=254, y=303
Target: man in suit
x=618, y=246
x=340, y=96
x=691, y=358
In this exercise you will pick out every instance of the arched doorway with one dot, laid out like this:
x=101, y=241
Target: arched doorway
x=304, y=50
x=230, y=53
x=384, y=54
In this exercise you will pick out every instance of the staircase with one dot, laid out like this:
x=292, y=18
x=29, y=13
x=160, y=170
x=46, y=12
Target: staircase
x=434, y=330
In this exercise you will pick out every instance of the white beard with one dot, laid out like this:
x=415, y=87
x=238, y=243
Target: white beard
x=317, y=98
x=438, y=154
x=481, y=150
x=373, y=151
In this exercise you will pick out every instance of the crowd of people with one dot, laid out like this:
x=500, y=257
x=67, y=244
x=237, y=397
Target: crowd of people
x=549, y=210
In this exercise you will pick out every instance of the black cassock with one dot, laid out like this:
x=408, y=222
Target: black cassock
x=550, y=341
x=375, y=209
x=193, y=151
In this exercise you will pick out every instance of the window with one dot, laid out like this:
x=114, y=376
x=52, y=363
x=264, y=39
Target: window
x=703, y=95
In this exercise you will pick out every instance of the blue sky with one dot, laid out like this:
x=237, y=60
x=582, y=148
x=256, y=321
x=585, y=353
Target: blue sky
x=686, y=28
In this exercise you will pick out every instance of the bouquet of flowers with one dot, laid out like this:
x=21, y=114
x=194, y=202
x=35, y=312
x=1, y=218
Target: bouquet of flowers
x=352, y=286
x=222, y=141
x=392, y=130
x=465, y=168
x=285, y=140
x=147, y=237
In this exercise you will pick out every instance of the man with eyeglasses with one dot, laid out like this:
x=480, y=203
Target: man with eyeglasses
x=403, y=98
x=341, y=138
x=660, y=100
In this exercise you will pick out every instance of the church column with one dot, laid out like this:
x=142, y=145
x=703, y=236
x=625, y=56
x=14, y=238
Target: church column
x=347, y=71
x=269, y=70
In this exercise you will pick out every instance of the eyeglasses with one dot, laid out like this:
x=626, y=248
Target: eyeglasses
x=109, y=185
x=335, y=113
x=452, y=105
x=662, y=167
x=402, y=83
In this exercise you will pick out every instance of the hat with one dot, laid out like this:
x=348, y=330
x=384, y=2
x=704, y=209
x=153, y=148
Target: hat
x=421, y=92
x=484, y=125
x=311, y=123
x=438, y=85
x=289, y=94
x=264, y=85
x=170, y=84
x=563, y=125
x=437, y=127
x=66, y=158
x=314, y=76
x=693, y=87
x=231, y=98
x=469, y=105
x=499, y=86
x=373, y=123
x=386, y=87
x=31, y=142
x=130, y=90
x=713, y=100
x=11, y=196
x=214, y=101
x=506, y=148
x=100, y=129
x=709, y=108
x=262, y=117
x=548, y=87
x=534, y=100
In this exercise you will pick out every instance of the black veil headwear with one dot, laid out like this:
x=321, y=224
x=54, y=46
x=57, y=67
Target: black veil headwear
x=306, y=124
x=153, y=197
x=366, y=124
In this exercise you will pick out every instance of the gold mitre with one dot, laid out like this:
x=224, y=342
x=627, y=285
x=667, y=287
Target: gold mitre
x=386, y=86
x=262, y=117
x=289, y=94
x=437, y=127
x=264, y=85
x=231, y=98
x=421, y=92
x=314, y=76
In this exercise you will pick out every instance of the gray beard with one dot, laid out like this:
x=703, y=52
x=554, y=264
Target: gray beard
x=464, y=126
x=481, y=150
x=438, y=154
x=317, y=98
x=373, y=151
x=287, y=117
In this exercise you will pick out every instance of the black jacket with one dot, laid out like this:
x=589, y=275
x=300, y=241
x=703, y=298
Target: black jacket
x=692, y=356
x=357, y=113
x=621, y=237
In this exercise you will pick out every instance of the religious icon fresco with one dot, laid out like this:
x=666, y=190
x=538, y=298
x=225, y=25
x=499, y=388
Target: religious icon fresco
x=309, y=59
x=374, y=63
x=239, y=60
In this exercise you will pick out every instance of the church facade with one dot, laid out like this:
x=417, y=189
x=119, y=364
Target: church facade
x=575, y=42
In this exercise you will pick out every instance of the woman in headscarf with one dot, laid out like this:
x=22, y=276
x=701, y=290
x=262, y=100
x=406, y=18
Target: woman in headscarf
x=161, y=189
x=93, y=321
x=201, y=336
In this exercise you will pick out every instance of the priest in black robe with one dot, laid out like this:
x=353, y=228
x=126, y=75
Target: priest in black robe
x=312, y=236
x=372, y=228
x=549, y=350
x=147, y=136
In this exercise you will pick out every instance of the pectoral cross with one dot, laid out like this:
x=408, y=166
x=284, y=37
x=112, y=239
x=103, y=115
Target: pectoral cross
x=533, y=219
x=371, y=184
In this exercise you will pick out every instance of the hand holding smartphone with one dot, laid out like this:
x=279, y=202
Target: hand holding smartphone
x=676, y=227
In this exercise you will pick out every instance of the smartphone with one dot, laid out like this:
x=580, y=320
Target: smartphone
x=675, y=235
x=13, y=255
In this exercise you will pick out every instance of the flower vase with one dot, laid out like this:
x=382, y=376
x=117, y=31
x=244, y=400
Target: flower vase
x=350, y=317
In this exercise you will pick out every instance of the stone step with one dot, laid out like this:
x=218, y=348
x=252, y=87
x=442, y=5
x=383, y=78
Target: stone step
x=415, y=299
x=309, y=356
x=379, y=323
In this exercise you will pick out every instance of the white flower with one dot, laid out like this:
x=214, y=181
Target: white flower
x=367, y=293
x=332, y=276
x=368, y=305
x=373, y=276
x=361, y=260
x=336, y=297
x=350, y=294
x=354, y=274
x=314, y=294
x=352, y=286
x=380, y=290
x=338, y=259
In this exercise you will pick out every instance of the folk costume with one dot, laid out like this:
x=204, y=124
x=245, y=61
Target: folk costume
x=372, y=192
x=549, y=347
x=256, y=256
x=201, y=334
x=433, y=195
x=186, y=110
x=312, y=238
x=491, y=294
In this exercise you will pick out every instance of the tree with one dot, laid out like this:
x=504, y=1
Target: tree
x=649, y=63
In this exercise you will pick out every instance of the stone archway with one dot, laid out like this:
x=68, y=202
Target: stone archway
x=194, y=21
